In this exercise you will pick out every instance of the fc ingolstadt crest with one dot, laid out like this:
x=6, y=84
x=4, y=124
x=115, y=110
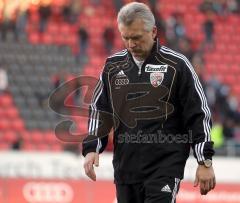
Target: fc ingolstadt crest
x=156, y=78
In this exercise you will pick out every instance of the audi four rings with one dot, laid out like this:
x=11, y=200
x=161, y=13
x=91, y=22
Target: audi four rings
x=121, y=81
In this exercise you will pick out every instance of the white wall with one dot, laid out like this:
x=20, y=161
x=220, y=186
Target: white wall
x=67, y=165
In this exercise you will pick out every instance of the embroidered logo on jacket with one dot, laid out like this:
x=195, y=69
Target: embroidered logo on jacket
x=166, y=188
x=156, y=68
x=121, y=74
x=121, y=79
x=156, y=78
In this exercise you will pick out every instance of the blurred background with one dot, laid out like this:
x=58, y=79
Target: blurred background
x=45, y=43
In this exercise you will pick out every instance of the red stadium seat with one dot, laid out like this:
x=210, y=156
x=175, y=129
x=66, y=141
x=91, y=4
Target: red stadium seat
x=227, y=59
x=64, y=29
x=34, y=17
x=28, y=146
x=60, y=39
x=2, y=113
x=235, y=69
x=18, y=125
x=236, y=89
x=10, y=136
x=222, y=69
x=72, y=40
x=36, y=137
x=47, y=38
x=25, y=135
x=11, y=113
x=229, y=79
x=5, y=100
x=52, y=28
x=50, y=137
x=42, y=147
x=56, y=147
x=4, y=146
x=215, y=58
x=5, y=124
x=34, y=37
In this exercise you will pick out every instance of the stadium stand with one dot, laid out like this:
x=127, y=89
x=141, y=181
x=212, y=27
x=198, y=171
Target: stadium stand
x=30, y=68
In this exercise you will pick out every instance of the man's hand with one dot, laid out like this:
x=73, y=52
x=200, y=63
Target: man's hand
x=91, y=159
x=206, y=178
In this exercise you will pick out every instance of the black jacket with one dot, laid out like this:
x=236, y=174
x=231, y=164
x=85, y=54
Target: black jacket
x=157, y=113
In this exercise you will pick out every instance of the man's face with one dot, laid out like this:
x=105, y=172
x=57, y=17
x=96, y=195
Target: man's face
x=137, y=40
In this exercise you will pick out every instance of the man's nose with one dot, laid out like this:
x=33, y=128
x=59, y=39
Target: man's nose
x=131, y=43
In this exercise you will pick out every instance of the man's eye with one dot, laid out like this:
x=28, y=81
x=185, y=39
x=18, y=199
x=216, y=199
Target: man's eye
x=132, y=38
x=135, y=38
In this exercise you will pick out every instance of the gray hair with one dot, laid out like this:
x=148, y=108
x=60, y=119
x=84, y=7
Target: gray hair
x=133, y=11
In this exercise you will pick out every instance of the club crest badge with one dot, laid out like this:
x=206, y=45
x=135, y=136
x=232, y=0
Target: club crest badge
x=156, y=78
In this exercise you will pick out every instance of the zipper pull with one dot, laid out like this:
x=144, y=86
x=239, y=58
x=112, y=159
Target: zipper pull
x=139, y=71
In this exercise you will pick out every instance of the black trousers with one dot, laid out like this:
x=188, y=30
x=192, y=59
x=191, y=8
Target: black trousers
x=162, y=190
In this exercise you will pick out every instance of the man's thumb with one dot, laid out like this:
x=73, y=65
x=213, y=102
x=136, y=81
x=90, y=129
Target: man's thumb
x=196, y=181
x=96, y=160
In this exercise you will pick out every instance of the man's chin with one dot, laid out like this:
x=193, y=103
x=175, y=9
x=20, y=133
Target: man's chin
x=137, y=55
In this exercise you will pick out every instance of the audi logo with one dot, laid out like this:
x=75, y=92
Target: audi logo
x=121, y=81
x=47, y=192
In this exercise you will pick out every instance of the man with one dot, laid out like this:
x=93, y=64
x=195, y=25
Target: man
x=152, y=98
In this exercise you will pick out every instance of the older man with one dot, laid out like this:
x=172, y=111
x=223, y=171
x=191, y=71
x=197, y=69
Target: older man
x=153, y=99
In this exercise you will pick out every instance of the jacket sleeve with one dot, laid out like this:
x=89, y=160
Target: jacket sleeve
x=100, y=119
x=195, y=112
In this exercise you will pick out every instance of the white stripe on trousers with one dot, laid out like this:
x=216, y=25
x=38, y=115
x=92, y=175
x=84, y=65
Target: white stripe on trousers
x=174, y=193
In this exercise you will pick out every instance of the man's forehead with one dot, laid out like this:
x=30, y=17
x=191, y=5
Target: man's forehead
x=135, y=24
x=133, y=29
x=131, y=33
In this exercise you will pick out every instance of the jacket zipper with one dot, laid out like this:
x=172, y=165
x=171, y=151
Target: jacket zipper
x=139, y=71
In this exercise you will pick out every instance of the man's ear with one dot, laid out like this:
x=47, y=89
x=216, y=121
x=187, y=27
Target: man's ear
x=154, y=33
